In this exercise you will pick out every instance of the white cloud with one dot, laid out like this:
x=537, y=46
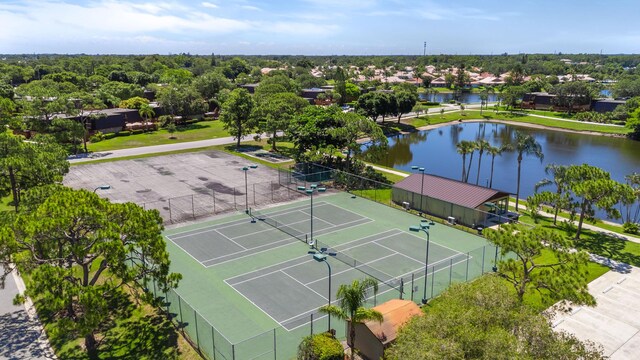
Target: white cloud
x=209, y=5
x=251, y=8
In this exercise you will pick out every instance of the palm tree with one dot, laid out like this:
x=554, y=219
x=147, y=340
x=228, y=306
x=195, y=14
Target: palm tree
x=559, y=174
x=473, y=146
x=463, y=148
x=146, y=112
x=351, y=299
x=484, y=96
x=482, y=145
x=494, y=151
x=525, y=145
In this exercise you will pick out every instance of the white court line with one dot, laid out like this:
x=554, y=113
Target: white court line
x=226, y=237
x=254, y=304
x=231, y=223
x=395, y=251
x=268, y=273
x=290, y=237
x=183, y=249
x=355, y=268
x=299, y=282
x=431, y=241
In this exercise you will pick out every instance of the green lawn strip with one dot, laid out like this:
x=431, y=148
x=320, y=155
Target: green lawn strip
x=227, y=148
x=535, y=299
x=202, y=130
x=594, y=242
x=563, y=215
x=473, y=114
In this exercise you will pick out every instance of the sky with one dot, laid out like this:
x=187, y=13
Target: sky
x=319, y=27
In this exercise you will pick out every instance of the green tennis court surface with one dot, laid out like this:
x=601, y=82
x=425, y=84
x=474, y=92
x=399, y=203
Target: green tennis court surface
x=215, y=244
x=249, y=290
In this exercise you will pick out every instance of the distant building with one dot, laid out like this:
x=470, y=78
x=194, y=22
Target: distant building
x=544, y=101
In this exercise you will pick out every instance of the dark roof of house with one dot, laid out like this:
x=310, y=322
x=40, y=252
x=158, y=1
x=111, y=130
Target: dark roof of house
x=453, y=191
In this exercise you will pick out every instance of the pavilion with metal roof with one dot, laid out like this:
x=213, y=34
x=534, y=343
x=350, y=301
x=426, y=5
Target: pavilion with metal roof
x=456, y=201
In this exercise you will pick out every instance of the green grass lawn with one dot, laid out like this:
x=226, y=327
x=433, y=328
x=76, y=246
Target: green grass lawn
x=192, y=132
x=515, y=118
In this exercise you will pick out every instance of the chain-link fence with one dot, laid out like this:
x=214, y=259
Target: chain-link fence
x=194, y=206
x=279, y=343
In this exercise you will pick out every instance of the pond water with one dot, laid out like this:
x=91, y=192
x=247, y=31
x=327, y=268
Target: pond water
x=436, y=151
x=465, y=98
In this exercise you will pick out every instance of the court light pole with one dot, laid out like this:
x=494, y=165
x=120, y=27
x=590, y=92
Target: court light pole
x=322, y=257
x=246, y=187
x=495, y=261
x=102, y=187
x=312, y=188
x=424, y=227
x=420, y=169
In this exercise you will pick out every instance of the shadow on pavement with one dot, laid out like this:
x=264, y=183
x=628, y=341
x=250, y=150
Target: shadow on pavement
x=19, y=337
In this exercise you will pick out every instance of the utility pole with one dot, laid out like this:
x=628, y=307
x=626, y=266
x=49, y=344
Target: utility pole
x=424, y=52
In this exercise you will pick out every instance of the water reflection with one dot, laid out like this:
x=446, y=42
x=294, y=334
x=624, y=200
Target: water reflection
x=436, y=151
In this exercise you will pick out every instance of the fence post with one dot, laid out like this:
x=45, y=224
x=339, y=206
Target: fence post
x=275, y=357
x=193, y=207
x=311, y=324
x=271, y=190
x=412, y=276
x=170, y=219
x=213, y=341
x=234, y=199
x=254, y=194
x=213, y=193
x=433, y=279
x=180, y=311
x=450, y=270
x=233, y=351
x=195, y=317
x=466, y=277
x=484, y=248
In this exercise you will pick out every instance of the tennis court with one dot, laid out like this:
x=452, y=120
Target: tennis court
x=251, y=290
x=389, y=255
x=212, y=245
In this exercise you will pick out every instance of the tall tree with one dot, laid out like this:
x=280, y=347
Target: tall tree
x=472, y=147
x=464, y=147
x=559, y=179
x=341, y=87
x=405, y=101
x=483, y=319
x=354, y=127
x=495, y=151
x=564, y=277
x=351, y=300
x=25, y=165
x=483, y=145
x=594, y=187
x=631, y=202
x=275, y=112
x=80, y=251
x=236, y=114
x=525, y=145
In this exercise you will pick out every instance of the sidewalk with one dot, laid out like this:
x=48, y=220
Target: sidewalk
x=21, y=334
x=585, y=225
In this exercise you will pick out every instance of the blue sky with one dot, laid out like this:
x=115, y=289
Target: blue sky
x=319, y=27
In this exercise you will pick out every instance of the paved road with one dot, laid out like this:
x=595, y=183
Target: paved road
x=21, y=335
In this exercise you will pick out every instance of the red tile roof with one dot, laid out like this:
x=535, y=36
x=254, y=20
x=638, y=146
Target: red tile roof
x=453, y=191
x=395, y=313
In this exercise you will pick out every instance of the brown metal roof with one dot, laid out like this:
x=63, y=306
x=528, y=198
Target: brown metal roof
x=396, y=313
x=453, y=191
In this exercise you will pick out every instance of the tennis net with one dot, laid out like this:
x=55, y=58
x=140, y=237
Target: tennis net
x=257, y=215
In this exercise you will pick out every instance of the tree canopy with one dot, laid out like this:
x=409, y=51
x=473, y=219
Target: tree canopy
x=81, y=251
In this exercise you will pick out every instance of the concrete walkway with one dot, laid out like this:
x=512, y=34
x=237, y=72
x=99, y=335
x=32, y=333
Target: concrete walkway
x=614, y=322
x=585, y=225
x=155, y=149
x=21, y=334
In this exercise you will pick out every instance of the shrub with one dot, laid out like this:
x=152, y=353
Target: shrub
x=124, y=133
x=320, y=347
x=631, y=228
x=97, y=137
x=110, y=136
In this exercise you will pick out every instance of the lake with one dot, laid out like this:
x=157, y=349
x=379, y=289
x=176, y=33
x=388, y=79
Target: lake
x=436, y=151
x=464, y=98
